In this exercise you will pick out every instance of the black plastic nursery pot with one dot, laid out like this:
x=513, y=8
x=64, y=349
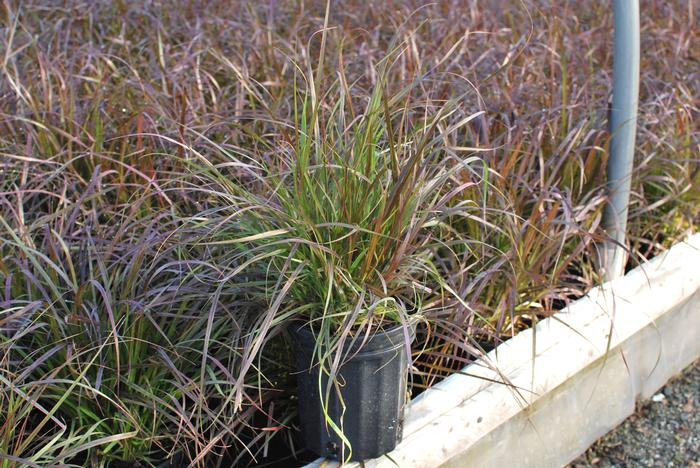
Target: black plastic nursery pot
x=372, y=382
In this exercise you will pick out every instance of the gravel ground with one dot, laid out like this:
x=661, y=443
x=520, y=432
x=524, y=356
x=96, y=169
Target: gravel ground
x=664, y=431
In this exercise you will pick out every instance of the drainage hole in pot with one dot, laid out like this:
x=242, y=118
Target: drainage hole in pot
x=332, y=449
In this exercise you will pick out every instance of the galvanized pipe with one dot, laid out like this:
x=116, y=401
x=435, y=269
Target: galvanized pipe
x=623, y=124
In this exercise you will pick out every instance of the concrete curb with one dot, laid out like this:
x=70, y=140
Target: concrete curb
x=592, y=362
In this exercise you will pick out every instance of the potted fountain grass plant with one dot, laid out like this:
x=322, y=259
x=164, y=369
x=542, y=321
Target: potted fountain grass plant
x=346, y=216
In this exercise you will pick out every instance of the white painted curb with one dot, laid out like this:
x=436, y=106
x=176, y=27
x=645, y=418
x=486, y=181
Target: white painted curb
x=592, y=362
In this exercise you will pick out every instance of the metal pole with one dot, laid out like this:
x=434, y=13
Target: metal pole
x=623, y=124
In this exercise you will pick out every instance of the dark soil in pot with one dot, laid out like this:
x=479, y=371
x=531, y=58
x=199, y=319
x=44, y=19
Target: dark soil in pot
x=372, y=384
